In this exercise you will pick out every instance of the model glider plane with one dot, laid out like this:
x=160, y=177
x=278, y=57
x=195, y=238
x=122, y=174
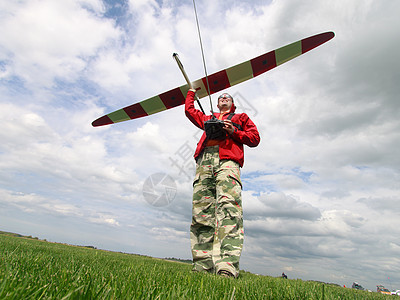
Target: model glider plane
x=217, y=81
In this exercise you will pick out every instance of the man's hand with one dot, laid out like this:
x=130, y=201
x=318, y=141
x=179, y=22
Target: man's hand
x=228, y=126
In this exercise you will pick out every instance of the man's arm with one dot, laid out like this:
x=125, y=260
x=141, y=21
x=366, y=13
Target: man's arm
x=249, y=135
x=194, y=115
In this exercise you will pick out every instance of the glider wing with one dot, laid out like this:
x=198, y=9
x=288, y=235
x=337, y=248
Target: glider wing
x=217, y=81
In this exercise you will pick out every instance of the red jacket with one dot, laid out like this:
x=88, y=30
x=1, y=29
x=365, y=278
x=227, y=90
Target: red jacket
x=232, y=147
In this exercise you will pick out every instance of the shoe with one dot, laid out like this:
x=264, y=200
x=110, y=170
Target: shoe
x=225, y=273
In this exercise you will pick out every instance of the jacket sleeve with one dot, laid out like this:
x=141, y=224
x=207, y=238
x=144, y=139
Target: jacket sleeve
x=249, y=134
x=194, y=115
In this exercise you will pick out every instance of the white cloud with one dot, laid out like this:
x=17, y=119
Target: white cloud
x=278, y=205
x=149, y=136
x=44, y=40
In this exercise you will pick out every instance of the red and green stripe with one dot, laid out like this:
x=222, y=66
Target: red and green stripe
x=217, y=81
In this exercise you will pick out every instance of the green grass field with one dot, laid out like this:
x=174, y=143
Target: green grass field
x=35, y=269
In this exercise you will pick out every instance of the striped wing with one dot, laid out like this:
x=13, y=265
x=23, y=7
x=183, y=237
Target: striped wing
x=217, y=81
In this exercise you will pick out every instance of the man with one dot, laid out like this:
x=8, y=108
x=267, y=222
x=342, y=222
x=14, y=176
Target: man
x=216, y=232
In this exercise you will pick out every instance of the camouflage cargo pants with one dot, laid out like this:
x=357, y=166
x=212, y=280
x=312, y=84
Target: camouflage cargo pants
x=216, y=232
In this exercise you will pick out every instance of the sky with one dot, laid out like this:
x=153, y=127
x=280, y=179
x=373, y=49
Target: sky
x=321, y=193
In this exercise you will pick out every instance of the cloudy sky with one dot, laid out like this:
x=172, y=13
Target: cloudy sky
x=321, y=191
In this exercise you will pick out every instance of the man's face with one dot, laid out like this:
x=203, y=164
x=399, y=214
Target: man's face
x=225, y=102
